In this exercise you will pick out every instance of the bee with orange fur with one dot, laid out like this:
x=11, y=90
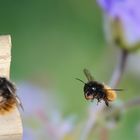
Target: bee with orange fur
x=8, y=98
x=95, y=90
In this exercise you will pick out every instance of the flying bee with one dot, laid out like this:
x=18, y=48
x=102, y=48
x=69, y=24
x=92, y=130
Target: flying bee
x=8, y=98
x=95, y=90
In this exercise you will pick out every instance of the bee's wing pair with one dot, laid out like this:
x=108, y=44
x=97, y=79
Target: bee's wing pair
x=88, y=75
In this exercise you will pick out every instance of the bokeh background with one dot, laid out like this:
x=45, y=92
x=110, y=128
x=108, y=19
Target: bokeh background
x=52, y=41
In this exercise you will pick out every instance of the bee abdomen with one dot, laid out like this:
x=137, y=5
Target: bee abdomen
x=7, y=107
x=110, y=94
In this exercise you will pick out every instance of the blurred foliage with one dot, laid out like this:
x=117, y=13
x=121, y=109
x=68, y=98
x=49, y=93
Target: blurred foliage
x=56, y=40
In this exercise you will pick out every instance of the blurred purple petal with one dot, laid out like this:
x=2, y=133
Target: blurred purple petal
x=28, y=135
x=42, y=117
x=35, y=99
x=128, y=13
x=105, y=4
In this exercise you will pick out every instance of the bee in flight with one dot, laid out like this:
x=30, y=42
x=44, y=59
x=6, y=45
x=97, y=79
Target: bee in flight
x=95, y=90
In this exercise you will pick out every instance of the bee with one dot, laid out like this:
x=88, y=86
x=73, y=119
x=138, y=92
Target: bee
x=8, y=97
x=95, y=90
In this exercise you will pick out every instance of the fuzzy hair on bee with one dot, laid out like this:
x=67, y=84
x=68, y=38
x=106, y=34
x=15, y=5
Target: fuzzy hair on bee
x=95, y=90
x=8, y=97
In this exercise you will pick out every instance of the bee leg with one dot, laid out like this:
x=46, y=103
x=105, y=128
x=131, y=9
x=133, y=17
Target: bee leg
x=106, y=102
x=98, y=100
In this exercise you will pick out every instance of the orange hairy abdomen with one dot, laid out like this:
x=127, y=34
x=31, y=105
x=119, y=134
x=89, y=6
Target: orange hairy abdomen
x=110, y=94
x=8, y=106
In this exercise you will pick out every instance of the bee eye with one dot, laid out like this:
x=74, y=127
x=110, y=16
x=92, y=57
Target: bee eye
x=93, y=88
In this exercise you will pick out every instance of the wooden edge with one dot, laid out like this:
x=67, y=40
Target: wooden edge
x=10, y=123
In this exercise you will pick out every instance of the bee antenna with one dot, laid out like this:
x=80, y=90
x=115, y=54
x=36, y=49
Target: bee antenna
x=80, y=80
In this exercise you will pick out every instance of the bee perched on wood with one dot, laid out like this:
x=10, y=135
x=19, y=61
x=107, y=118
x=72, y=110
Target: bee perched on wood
x=8, y=97
x=95, y=90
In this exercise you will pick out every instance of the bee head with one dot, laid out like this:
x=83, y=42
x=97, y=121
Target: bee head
x=90, y=90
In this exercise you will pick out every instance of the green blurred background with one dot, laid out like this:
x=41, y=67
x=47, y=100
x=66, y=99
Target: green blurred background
x=53, y=41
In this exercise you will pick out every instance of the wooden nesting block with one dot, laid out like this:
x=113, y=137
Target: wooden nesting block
x=10, y=123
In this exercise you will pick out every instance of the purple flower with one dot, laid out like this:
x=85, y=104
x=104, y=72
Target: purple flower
x=128, y=14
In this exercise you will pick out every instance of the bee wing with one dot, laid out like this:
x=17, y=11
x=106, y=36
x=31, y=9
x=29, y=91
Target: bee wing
x=117, y=89
x=88, y=75
x=18, y=102
x=11, y=87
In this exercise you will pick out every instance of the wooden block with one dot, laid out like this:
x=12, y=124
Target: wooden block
x=10, y=124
